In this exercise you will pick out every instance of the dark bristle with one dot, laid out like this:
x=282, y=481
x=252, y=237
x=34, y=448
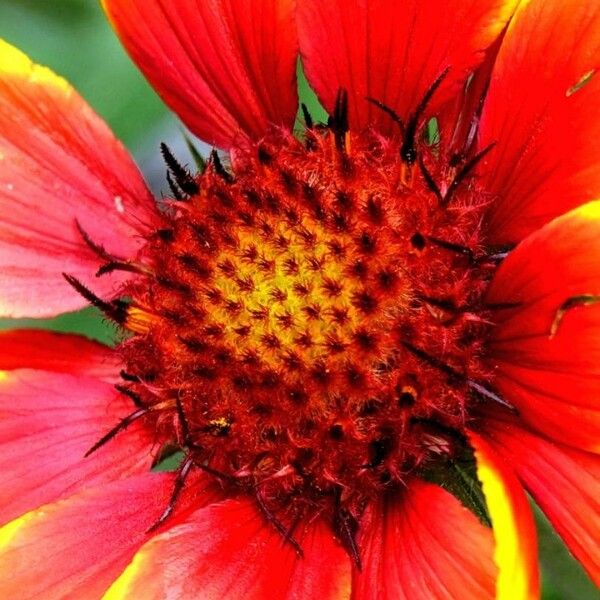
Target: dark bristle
x=388, y=111
x=134, y=416
x=183, y=423
x=433, y=361
x=284, y=531
x=346, y=528
x=466, y=169
x=308, y=120
x=175, y=191
x=115, y=310
x=182, y=475
x=408, y=151
x=134, y=396
x=443, y=303
x=430, y=181
x=181, y=176
x=98, y=249
x=452, y=247
x=338, y=121
x=117, y=265
x=219, y=169
x=129, y=376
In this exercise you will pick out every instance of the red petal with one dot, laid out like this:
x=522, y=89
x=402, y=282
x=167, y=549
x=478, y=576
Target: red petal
x=424, y=545
x=59, y=352
x=58, y=163
x=553, y=380
x=226, y=67
x=393, y=51
x=47, y=423
x=564, y=482
x=75, y=548
x=228, y=551
x=548, y=151
x=514, y=528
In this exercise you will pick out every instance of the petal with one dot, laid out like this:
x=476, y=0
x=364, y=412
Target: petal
x=227, y=550
x=563, y=481
x=547, y=134
x=226, y=67
x=424, y=545
x=75, y=548
x=58, y=163
x=393, y=51
x=549, y=367
x=59, y=352
x=47, y=423
x=512, y=521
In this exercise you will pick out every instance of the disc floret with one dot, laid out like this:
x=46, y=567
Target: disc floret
x=314, y=323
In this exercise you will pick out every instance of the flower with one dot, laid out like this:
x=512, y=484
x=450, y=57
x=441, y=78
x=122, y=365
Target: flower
x=367, y=341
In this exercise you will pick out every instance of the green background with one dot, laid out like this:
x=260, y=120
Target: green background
x=73, y=38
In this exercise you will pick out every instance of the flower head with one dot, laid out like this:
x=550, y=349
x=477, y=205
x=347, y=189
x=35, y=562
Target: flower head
x=363, y=338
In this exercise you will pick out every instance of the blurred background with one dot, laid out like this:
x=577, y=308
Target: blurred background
x=73, y=38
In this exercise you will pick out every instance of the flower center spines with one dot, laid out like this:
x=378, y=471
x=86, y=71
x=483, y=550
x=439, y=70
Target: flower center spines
x=282, y=301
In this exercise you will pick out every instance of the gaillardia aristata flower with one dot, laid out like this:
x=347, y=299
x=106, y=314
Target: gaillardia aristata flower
x=366, y=340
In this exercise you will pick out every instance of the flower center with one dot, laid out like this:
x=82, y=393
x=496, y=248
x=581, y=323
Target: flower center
x=314, y=324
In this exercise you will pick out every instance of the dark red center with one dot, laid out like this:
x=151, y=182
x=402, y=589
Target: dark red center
x=313, y=325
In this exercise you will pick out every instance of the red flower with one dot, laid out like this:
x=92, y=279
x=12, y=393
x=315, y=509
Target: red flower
x=364, y=341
